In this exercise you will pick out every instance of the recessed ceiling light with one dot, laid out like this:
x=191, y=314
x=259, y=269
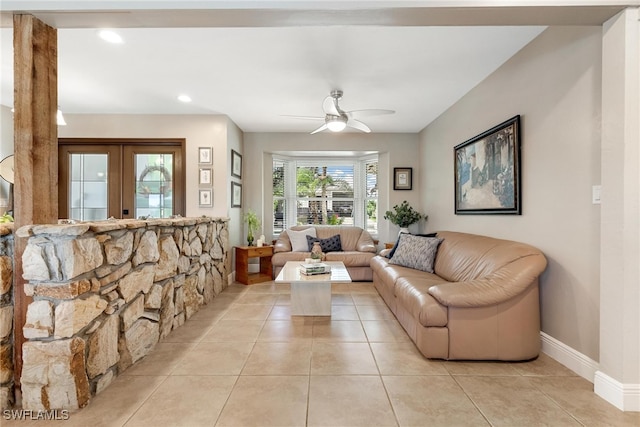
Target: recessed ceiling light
x=110, y=36
x=184, y=98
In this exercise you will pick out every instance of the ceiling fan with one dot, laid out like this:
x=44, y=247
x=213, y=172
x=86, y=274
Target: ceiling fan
x=336, y=119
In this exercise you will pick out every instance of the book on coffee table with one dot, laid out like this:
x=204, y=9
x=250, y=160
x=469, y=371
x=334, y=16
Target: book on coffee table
x=315, y=268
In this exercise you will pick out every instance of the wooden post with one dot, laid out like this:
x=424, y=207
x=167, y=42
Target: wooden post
x=35, y=104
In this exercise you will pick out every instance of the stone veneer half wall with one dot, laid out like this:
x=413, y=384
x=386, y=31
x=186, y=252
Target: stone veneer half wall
x=6, y=315
x=105, y=293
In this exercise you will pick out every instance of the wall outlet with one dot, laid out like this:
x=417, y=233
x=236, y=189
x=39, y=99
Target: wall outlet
x=595, y=194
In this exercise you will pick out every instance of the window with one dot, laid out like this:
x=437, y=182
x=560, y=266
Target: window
x=325, y=191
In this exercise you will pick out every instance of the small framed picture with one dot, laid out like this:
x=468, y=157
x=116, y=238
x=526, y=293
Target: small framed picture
x=236, y=164
x=236, y=195
x=205, y=155
x=205, y=176
x=206, y=198
x=402, y=178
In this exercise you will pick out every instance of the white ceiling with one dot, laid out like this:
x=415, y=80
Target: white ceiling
x=257, y=74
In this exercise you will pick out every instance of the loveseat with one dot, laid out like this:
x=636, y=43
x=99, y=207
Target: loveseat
x=479, y=303
x=357, y=248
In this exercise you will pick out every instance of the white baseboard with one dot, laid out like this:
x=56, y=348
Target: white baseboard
x=572, y=359
x=231, y=277
x=625, y=397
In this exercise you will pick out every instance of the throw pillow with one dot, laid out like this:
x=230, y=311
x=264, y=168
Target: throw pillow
x=393, y=250
x=299, y=239
x=330, y=244
x=416, y=252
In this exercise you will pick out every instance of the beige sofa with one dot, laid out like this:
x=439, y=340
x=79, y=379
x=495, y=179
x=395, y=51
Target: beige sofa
x=358, y=248
x=481, y=302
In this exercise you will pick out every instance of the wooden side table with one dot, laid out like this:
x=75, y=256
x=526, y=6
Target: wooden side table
x=243, y=253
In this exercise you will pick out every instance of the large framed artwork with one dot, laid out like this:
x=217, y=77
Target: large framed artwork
x=487, y=171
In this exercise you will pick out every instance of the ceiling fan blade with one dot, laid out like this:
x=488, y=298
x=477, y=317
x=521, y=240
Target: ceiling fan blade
x=320, y=129
x=357, y=124
x=302, y=117
x=330, y=106
x=369, y=112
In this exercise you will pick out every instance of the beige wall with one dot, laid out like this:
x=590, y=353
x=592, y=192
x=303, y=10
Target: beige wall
x=236, y=223
x=554, y=83
x=395, y=150
x=199, y=131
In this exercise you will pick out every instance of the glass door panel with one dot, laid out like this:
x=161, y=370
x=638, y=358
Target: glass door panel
x=151, y=177
x=88, y=195
x=89, y=182
x=154, y=185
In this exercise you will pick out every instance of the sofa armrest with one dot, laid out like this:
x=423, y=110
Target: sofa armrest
x=384, y=252
x=500, y=286
x=283, y=244
x=365, y=243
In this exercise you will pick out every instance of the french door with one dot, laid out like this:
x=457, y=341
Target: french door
x=103, y=178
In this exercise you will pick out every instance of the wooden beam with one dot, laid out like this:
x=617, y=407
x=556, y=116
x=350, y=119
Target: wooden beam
x=35, y=103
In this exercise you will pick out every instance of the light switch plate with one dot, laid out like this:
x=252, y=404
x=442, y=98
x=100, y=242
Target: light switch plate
x=595, y=194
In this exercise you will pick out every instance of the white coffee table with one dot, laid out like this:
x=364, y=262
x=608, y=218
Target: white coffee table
x=311, y=295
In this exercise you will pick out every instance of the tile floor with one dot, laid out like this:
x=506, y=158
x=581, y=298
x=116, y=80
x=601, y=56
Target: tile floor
x=244, y=361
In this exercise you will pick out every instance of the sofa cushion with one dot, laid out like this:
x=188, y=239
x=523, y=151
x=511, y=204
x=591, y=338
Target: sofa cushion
x=299, y=239
x=416, y=252
x=351, y=258
x=390, y=273
x=281, y=258
x=331, y=244
x=348, y=258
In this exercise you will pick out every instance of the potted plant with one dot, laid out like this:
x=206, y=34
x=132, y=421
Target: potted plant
x=253, y=225
x=403, y=215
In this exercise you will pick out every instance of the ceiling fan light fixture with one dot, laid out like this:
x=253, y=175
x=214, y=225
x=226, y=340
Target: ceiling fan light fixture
x=336, y=123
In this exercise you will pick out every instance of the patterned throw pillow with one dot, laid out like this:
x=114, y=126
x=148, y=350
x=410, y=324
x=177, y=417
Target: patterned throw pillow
x=393, y=250
x=299, y=239
x=416, y=252
x=331, y=244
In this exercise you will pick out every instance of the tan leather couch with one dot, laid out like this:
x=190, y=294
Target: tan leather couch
x=358, y=248
x=481, y=303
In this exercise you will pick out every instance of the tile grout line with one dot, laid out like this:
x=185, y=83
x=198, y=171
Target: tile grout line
x=556, y=402
x=384, y=385
x=226, y=401
x=142, y=403
x=486, y=418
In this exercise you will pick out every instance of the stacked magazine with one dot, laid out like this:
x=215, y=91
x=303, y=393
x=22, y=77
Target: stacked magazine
x=315, y=268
